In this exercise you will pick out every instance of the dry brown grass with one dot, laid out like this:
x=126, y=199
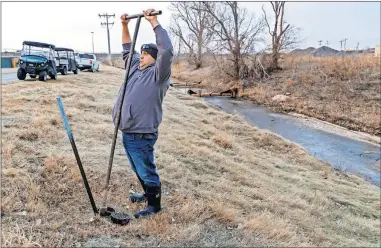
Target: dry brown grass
x=341, y=90
x=356, y=67
x=224, y=181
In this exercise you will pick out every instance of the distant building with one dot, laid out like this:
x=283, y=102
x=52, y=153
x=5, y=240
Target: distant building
x=370, y=50
x=10, y=54
x=377, y=51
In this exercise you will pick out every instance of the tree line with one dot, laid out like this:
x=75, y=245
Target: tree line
x=226, y=28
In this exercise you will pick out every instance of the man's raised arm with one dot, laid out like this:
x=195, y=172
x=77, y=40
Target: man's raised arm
x=165, y=49
x=126, y=44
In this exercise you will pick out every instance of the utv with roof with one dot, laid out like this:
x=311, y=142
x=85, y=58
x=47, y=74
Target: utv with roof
x=66, y=60
x=37, y=60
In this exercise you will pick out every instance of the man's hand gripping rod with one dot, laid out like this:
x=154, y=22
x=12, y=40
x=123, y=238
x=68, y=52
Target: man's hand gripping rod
x=155, y=13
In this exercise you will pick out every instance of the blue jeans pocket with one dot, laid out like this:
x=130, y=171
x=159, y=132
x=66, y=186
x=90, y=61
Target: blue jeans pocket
x=150, y=145
x=130, y=137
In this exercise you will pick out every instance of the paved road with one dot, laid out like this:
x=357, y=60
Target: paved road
x=6, y=78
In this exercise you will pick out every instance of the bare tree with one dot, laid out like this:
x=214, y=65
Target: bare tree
x=235, y=31
x=189, y=25
x=283, y=35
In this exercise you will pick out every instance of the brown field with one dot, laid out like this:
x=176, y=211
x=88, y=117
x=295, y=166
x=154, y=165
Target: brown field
x=225, y=182
x=344, y=91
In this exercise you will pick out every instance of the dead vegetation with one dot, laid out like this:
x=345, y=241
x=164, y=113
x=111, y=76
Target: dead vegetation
x=225, y=182
x=341, y=90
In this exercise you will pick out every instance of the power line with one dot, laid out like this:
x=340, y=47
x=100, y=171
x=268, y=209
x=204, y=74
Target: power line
x=107, y=25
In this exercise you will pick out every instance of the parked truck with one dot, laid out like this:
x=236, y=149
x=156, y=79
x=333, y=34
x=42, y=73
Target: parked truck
x=87, y=62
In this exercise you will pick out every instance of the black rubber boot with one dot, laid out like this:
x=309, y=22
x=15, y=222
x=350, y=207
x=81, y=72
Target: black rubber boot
x=139, y=197
x=154, y=202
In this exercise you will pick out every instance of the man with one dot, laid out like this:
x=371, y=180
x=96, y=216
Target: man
x=142, y=109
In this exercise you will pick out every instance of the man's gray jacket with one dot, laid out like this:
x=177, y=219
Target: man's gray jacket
x=142, y=106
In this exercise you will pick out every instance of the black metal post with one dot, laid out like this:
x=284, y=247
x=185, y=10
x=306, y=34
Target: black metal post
x=72, y=142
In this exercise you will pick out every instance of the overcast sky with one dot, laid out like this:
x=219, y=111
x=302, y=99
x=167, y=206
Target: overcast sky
x=69, y=24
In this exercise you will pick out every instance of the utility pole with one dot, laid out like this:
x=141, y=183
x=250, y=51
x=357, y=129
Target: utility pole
x=341, y=44
x=357, y=46
x=320, y=41
x=327, y=43
x=92, y=38
x=345, y=42
x=106, y=24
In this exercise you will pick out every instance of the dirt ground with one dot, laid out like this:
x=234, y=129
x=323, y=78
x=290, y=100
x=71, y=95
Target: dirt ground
x=225, y=182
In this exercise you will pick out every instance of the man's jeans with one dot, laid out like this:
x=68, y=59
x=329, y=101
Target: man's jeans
x=139, y=150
